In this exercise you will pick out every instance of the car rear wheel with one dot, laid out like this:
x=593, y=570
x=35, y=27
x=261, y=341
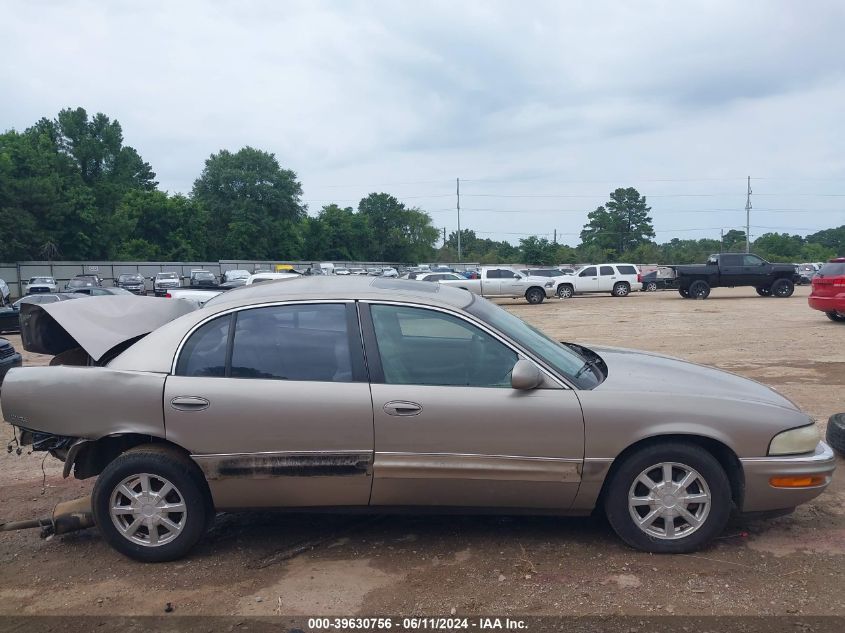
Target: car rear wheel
x=684, y=292
x=836, y=316
x=535, y=295
x=835, y=435
x=783, y=288
x=151, y=504
x=668, y=498
x=699, y=290
x=651, y=286
x=621, y=289
x=564, y=291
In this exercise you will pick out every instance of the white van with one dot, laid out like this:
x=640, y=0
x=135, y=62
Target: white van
x=617, y=279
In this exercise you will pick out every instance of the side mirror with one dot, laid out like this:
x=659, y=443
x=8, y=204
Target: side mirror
x=525, y=375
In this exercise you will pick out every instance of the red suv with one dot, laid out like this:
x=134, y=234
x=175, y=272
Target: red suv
x=828, y=294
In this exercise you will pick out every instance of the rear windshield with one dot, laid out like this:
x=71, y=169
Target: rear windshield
x=833, y=269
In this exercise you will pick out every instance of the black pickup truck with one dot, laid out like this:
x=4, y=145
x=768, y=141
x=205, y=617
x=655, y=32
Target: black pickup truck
x=735, y=269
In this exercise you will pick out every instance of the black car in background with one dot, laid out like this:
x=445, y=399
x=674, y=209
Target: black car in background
x=203, y=279
x=8, y=358
x=83, y=281
x=10, y=315
x=133, y=282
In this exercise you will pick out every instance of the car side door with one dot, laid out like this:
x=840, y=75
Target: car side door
x=588, y=280
x=274, y=405
x=491, y=283
x=731, y=270
x=755, y=270
x=512, y=283
x=450, y=430
x=607, y=277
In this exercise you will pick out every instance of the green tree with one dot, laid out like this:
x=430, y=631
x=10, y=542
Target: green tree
x=399, y=234
x=253, y=206
x=833, y=239
x=537, y=251
x=621, y=225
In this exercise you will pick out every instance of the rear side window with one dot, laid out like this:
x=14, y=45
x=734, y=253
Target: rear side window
x=731, y=260
x=833, y=269
x=627, y=270
x=607, y=271
x=205, y=352
x=308, y=342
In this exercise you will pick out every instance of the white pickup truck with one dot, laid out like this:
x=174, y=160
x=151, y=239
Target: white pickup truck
x=504, y=281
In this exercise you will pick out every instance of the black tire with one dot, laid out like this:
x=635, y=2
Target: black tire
x=836, y=316
x=621, y=289
x=764, y=291
x=535, y=295
x=699, y=289
x=565, y=291
x=190, y=489
x=684, y=292
x=624, y=479
x=835, y=435
x=651, y=286
x=783, y=288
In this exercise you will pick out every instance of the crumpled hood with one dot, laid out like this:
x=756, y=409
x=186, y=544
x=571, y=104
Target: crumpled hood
x=644, y=372
x=96, y=324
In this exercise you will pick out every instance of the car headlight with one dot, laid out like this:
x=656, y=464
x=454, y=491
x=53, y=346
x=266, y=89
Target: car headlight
x=804, y=439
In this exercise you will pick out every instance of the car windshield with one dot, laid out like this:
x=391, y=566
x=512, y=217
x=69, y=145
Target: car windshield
x=167, y=276
x=80, y=283
x=42, y=280
x=560, y=357
x=237, y=274
x=118, y=291
x=130, y=277
x=203, y=276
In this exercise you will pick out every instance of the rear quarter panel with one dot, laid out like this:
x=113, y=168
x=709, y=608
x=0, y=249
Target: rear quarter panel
x=86, y=402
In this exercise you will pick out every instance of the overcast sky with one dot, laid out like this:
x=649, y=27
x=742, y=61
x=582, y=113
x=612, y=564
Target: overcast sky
x=541, y=108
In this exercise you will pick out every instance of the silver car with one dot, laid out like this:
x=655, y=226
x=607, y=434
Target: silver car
x=383, y=394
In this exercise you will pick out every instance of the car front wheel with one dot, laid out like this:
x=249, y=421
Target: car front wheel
x=564, y=291
x=151, y=504
x=764, y=291
x=783, y=288
x=668, y=498
x=535, y=295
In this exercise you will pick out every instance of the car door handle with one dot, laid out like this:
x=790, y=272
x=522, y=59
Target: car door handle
x=402, y=408
x=189, y=403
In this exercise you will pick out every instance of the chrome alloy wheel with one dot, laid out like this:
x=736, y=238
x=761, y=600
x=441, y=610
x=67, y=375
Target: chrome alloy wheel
x=148, y=510
x=669, y=501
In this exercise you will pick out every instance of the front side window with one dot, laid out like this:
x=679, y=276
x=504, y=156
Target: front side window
x=302, y=342
x=607, y=271
x=425, y=347
x=590, y=271
x=752, y=260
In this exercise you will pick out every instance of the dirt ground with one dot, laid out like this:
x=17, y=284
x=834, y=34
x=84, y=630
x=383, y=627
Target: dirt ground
x=268, y=563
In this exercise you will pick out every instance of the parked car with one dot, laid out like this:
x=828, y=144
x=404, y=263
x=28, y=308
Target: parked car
x=733, y=270
x=262, y=277
x=202, y=279
x=374, y=272
x=164, y=282
x=399, y=395
x=389, y=272
x=828, y=292
x=341, y=271
x=234, y=279
x=662, y=278
x=5, y=293
x=133, y=282
x=83, y=281
x=439, y=277
x=40, y=285
x=617, y=279
x=504, y=281
x=806, y=272
x=198, y=297
x=102, y=292
x=357, y=271
x=10, y=315
x=9, y=358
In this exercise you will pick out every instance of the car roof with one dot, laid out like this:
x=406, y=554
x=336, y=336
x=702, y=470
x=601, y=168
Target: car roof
x=333, y=288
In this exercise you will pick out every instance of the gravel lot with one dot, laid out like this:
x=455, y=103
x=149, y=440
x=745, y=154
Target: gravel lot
x=266, y=563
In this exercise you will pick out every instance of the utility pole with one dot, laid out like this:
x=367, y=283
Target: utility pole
x=444, y=237
x=721, y=240
x=459, y=219
x=554, y=241
x=748, y=218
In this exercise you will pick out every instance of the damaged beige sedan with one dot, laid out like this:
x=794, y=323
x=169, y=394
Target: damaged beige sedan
x=389, y=394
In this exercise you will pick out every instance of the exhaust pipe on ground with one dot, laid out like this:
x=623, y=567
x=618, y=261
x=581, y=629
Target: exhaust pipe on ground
x=67, y=516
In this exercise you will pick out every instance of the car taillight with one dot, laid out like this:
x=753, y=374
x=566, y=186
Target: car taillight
x=168, y=296
x=639, y=278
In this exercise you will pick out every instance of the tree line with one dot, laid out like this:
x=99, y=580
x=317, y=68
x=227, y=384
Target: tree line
x=70, y=189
